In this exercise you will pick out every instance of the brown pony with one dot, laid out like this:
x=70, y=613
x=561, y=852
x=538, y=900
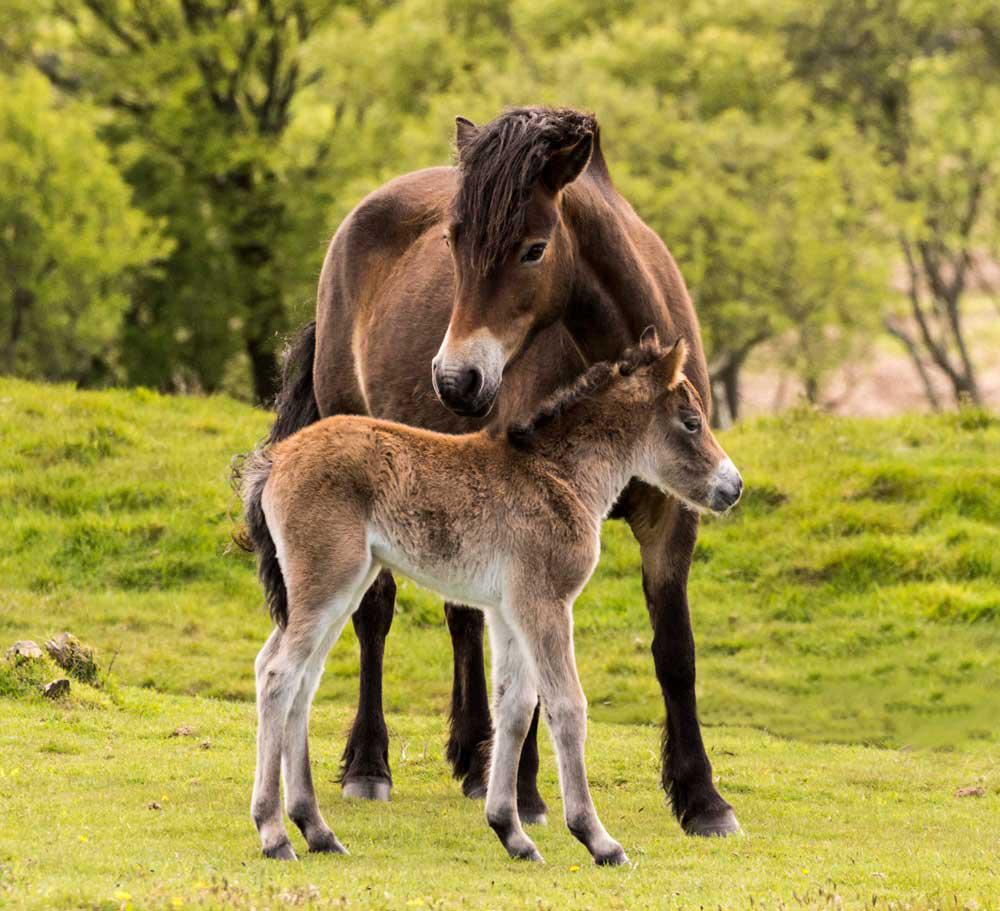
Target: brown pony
x=530, y=266
x=509, y=523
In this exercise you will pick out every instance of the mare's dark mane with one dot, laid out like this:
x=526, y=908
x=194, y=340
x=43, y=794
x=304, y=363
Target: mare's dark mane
x=522, y=434
x=500, y=165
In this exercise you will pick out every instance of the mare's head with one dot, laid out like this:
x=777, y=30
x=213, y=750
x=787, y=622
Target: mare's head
x=680, y=454
x=512, y=252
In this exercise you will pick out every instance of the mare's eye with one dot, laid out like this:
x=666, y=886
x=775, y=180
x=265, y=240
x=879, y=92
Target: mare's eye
x=533, y=253
x=692, y=423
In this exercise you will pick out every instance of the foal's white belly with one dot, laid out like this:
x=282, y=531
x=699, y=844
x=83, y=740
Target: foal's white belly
x=467, y=580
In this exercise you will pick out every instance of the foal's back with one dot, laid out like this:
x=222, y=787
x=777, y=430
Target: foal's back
x=455, y=513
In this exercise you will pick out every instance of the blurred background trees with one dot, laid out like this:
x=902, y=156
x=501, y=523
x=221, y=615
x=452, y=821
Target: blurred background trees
x=800, y=159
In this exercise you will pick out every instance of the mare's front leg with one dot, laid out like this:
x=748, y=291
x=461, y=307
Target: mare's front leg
x=365, y=765
x=471, y=726
x=666, y=532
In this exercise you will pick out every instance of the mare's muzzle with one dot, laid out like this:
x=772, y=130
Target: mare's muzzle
x=467, y=375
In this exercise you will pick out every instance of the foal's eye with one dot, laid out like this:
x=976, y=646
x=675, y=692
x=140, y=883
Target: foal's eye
x=533, y=253
x=692, y=423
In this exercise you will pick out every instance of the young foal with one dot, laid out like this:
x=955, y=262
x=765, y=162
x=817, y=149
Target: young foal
x=509, y=524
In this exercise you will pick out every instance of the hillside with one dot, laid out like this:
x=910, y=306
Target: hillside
x=854, y=596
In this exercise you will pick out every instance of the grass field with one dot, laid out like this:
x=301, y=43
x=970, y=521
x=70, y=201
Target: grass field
x=848, y=620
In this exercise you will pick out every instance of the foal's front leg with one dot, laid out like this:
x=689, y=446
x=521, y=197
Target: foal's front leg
x=565, y=707
x=515, y=698
x=471, y=726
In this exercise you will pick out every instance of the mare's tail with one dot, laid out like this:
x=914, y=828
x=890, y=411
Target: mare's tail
x=295, y=407
x=250, y=474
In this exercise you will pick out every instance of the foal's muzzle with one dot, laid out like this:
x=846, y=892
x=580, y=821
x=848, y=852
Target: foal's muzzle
x=726, y=487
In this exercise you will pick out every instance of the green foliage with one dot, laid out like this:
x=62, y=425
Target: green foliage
x=849, y=598
x=748, y=135
x=72, y=246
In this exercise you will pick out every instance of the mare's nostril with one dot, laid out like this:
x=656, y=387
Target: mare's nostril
x=468, y=383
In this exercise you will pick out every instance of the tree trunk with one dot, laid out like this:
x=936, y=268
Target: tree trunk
x=263, y=356
x=22, y=301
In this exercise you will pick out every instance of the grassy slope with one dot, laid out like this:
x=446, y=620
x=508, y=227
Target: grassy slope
x=867, y=825
x=854, y=597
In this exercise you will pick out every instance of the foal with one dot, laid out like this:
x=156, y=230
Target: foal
x=506, y=523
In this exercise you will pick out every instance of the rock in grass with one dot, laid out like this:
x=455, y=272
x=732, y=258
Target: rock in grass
x=56, y=689
x=74, y=657
x=972, y=791
x=24, y=650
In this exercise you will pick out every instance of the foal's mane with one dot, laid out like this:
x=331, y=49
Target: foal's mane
x=500, y=165
x=597, y=378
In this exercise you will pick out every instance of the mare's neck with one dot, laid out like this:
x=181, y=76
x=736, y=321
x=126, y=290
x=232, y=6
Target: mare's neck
x=622, y=272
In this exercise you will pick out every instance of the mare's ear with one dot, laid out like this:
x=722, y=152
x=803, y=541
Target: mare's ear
x=566, y=164
x=649, y=338
x=465, y=132
x=673, y=363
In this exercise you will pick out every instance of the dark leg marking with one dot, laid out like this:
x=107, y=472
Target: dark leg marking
x=365, y=764
x=471, y=726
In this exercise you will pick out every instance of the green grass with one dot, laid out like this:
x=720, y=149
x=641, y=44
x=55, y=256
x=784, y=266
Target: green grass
x=848, y=624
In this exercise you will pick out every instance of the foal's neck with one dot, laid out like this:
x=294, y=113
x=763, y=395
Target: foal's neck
x=595, y=447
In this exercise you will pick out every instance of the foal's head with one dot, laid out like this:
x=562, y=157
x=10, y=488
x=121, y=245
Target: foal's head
x=680, y=454
x=511, y=249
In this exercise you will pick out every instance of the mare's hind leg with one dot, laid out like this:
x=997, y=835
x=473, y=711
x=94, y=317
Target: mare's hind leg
x=515, y=700
x=471, y=726
x=551, y=649
x=365, y=765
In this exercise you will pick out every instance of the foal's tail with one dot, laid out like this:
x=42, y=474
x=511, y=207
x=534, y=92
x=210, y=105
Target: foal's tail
x=250, y=474
x=295, y=406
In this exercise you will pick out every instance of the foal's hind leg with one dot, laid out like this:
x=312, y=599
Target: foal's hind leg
x=515, y=700
x=300, y=795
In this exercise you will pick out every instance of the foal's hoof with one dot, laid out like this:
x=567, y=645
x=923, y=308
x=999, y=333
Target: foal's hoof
x=530, y=854
x=327, y=843
x=283, y=851
x=367, y=788
x=715, y=823
x=614, y=858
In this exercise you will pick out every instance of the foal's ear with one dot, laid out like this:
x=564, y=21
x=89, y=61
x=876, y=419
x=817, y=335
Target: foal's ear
x=674, y=361
x=465, y=132
x=649, y=338
x=566, y=164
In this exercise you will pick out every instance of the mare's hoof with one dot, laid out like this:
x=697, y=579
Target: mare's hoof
x=283, y=851
x=474, y=788
x=716, y=823
x=533, y=817
x=532, y=810
x=327, y=843
x=614, y=858
x=367, y=787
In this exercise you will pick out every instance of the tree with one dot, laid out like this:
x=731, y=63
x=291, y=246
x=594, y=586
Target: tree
x=921, y=76
x=72, y=246
x=201, y=95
